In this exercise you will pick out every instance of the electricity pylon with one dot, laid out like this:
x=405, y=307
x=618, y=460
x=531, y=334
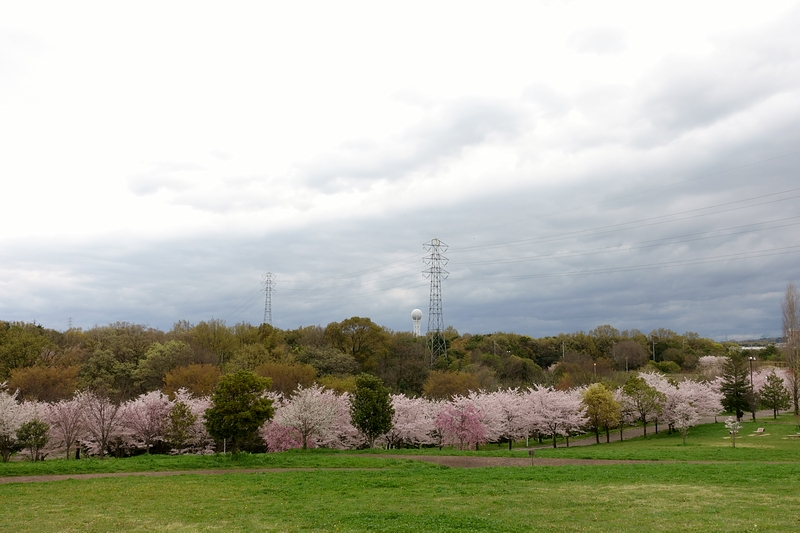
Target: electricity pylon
x=436, y=272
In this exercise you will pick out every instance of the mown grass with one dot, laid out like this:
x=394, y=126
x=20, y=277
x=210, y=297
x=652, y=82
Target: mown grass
x=746, y=490
x=653, y=497
x=708, y=442
x=156, y=463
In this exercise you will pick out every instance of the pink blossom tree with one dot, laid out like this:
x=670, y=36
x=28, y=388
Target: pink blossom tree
x=460, y=424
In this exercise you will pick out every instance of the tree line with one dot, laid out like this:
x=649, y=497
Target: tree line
x=123, y=360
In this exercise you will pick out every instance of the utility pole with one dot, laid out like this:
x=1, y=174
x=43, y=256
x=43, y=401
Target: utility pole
x=436, y=272
x=269, y=288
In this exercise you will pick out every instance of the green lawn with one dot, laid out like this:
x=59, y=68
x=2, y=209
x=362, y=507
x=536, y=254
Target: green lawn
x=746, y=490
x=709, y=442
x=661, y=497
x=156, y=463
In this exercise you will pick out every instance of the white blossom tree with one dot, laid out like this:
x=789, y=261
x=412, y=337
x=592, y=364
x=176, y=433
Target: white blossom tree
x=318, y=416
x=12, y=415
x=66, y=423
x=557, y=412
x=145, y=418
x=103, y=422
x=413, y=422
x=504, y=413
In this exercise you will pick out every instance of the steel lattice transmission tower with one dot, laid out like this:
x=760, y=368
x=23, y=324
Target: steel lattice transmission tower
x=269, y=288
x=436, y=272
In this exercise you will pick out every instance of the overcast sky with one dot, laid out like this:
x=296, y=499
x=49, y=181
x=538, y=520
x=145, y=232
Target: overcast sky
x=624, y=163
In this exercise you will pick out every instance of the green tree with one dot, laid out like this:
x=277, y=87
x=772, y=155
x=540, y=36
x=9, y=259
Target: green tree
x=361, y=338
x=178, y=430
x=736, y=390
x=286, y=377
x=644, y=400
x=106, y=375
x=20, y=346
x=238, y=408
x=33, y=436
x=602, y=409
x=445, y=385
x=774, y=395
x=371, y=408
x=157, y=361
x=44, y=383
x=200, y=380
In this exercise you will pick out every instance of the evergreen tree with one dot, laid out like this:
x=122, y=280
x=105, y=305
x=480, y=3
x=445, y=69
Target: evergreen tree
x=774, y=395
x=736, y=389
x=33, y=436
x=238, y=408
x=371, y=408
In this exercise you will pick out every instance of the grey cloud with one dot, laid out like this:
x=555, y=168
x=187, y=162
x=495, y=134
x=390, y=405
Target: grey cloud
x=600, y=40
x=457, y=126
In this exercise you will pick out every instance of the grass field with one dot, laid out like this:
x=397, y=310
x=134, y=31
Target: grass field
x=746, y=491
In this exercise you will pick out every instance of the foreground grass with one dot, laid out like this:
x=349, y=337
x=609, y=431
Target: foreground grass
x=652, y=497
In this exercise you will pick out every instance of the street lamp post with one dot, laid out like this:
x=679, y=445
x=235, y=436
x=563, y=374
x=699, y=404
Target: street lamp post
x=595, y=371
x=751, y=382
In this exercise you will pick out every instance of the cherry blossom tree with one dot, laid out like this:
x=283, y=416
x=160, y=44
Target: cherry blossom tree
x=682, y=404
x=66, y=423
x=504, y=413
x=627, y=412
x=643, y=399
x=460, y=424
x=198, y=439
x=12, y=415
x=413, y=422
x=103, y=421
x=685, y=416
x=145, y=418
x=557, y=412
x=318, y=416
x=733, y=425
x=280, y=438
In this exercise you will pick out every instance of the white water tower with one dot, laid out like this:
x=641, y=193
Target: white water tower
x=416, y=316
